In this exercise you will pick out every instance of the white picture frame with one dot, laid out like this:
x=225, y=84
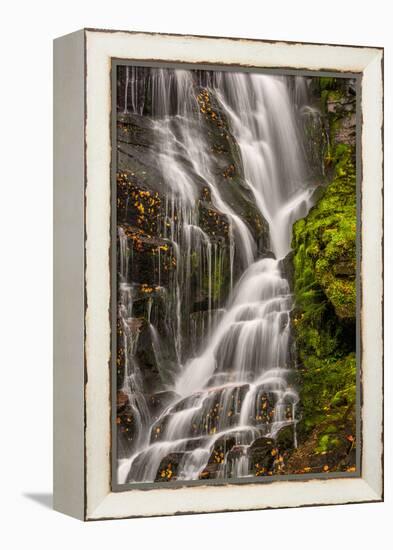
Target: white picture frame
x=82, y=335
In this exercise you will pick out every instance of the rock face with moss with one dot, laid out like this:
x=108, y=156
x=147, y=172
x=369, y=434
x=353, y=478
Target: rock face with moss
x=220, y=372
x=324, y=319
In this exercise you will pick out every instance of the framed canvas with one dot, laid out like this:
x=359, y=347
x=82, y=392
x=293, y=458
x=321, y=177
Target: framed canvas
x=218, y=274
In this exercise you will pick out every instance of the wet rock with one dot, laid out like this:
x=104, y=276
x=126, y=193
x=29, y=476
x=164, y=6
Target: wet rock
x=126, y=424
x=287, y=268
x=232, y=447
x=151, y=259
x=120, y=356
x=217, y=459
x=150, y=344
x=262, y=443
x=236, y=452
x=195, y=443
x=345, y=268
x=200, y=318
x=313, y=124
x=169, y=467
x=121, y=400
x=221, y=447
x=219, y=411
x=186, y=402
x=221, y=378
x=285, y=438
x=136, y=97
x=148, y=302
x=340, y=104
x=138, y=205
x=347, y=131
x=158, y=429
x=156, y=359
x=262, y=456
x=268, y=254
x=127, y=430
x=157, y=402
x=263, y=409
x=227, y=167
x=211, y=471
x=237, y=462
x=135, y=129
x=213, y=222
x=136, y=156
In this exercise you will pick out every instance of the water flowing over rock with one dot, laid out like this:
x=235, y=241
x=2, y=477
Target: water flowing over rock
x=211, y=177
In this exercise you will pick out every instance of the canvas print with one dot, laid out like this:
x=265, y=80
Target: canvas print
x=235, y=275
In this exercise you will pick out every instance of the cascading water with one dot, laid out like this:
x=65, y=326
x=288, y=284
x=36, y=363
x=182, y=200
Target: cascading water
x=132, y=384
x=234, y=380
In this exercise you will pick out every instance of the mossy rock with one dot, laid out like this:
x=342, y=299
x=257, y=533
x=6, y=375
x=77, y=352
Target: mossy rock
x=329, y=447
x=324, y=245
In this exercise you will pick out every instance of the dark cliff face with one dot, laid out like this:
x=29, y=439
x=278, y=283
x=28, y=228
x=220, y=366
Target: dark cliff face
x=158, y=275
x=324, y=319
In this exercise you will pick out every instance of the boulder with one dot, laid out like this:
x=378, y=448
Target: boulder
x=285, y=438
x=263, y=410
x=158, y=401
x=287, y=268
x=152, y=259
x=217, y=460
x=168, y=468
x=127, y=431
x=262, y=456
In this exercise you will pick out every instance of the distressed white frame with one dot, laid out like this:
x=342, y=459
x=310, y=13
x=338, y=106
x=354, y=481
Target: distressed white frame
x=100, y=48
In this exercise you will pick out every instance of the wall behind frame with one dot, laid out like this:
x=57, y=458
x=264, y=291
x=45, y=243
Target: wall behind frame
x=68, y=249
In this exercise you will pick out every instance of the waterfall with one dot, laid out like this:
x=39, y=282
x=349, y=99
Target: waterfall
x=264, y=125
x=237, y=383
x=132, y=386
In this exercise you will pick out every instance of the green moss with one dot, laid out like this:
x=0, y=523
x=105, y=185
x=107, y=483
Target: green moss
x=326, y=83
x=325, y=243
x=324, y=318
x=194, y=259
x=326, y=443
x=217, y=283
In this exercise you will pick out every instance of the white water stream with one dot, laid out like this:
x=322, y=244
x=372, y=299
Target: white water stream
x=246, y=355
